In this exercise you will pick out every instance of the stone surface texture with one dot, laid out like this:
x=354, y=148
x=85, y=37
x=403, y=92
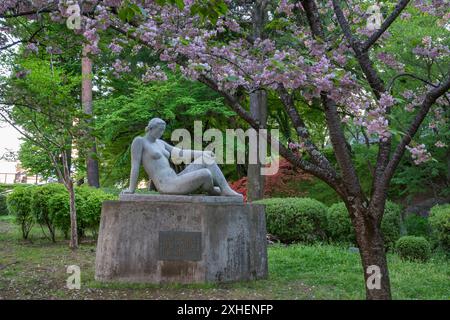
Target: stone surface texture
x=159, y=240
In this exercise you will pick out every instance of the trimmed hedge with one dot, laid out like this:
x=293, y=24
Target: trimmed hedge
x=48, y=205
x=339, y=225
x=18, y=203
x=40, y=209
x=295, y=219
x=391, y=224
x=89, y=207
x=340, y=228
x=413, y=248
x=440, y=224
x=4, y=190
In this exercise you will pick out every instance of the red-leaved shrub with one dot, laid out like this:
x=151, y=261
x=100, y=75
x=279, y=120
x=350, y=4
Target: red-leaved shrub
x=280, y=183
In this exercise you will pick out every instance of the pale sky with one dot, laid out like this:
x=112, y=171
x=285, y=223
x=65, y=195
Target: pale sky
x=9, y=139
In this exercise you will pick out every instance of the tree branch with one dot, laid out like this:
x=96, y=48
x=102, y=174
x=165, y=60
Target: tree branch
x=306, y=166
x=376, y=83
x=430, y=98
x=302, y=131
x=349, y=176
x=22, y=41
x=26, y=13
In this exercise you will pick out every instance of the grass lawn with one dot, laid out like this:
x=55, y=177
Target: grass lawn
x=37, y=270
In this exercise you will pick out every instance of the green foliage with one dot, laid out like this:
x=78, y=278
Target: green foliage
x=413, y=248
x=295, y=219
x=440, y=224
x=123, y=117
x=316, y=189
x=416, y=225
x=88, y=203
x=47, y=108
x=3, y=206
x=18, y=203
x=39, y=205
x=89, y=207
x=206, y=9
x=36, y=160
x=59, y=209
x=340, y=228
x=430, y=177
x=5, y=187
x=391, y=224
x=339, y=225
x=49, y=205
x=362, y=156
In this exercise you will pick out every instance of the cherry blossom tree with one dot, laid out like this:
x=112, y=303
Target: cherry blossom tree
x=317, y=53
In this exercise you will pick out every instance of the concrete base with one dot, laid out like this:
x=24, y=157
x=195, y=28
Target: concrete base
x=154, y=240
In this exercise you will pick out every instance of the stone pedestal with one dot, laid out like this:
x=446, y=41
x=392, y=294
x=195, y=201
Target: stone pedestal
x=181, y=239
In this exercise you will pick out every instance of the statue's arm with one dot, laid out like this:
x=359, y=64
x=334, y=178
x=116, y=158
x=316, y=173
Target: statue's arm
x=178, y=153
x=136, y=157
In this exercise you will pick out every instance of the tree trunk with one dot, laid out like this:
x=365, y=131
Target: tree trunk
x=373, y=255
x=68, y=182
x=258, y=108
x=73, y=217
x=86, y=101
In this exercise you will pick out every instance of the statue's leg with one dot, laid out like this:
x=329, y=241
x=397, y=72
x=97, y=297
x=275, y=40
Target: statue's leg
x=189, y=182
x=217, y=175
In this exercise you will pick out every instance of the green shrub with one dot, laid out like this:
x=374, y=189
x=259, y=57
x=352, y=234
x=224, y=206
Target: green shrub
x=391, y=224
x=416, y=225
x=18, y=203
x=89, y=206
x=10, y=187
x=4, y=190
x=49, y=205
x=440, y=225
x=413, y=248
x=88, y=203
x=340, y=228
x=339, y=225
x=40, y=205
x=59, y=211
x=295, y=219
x=3, y=206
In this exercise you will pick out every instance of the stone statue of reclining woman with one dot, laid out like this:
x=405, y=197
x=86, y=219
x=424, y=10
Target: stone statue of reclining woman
x=154, y=154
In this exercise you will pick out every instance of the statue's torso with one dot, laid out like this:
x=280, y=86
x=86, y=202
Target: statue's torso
x=155, y=159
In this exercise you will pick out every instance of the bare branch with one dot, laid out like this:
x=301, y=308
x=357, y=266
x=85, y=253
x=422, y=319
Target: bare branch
x=22, y=41
x=302, y=131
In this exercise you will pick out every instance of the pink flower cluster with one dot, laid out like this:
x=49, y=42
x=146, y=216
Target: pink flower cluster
x=419, y=154
x=230, y=58
x=154, y=74
x=389, y=60
x=430, y=50
x=119, y=67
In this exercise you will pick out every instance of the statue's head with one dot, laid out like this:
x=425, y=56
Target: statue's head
x=156, y=127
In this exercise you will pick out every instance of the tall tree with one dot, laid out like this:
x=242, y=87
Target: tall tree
x=93, y=178
x=258, y=105
x=38, y=101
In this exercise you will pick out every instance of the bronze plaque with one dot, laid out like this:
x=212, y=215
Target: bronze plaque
x=180, y=245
